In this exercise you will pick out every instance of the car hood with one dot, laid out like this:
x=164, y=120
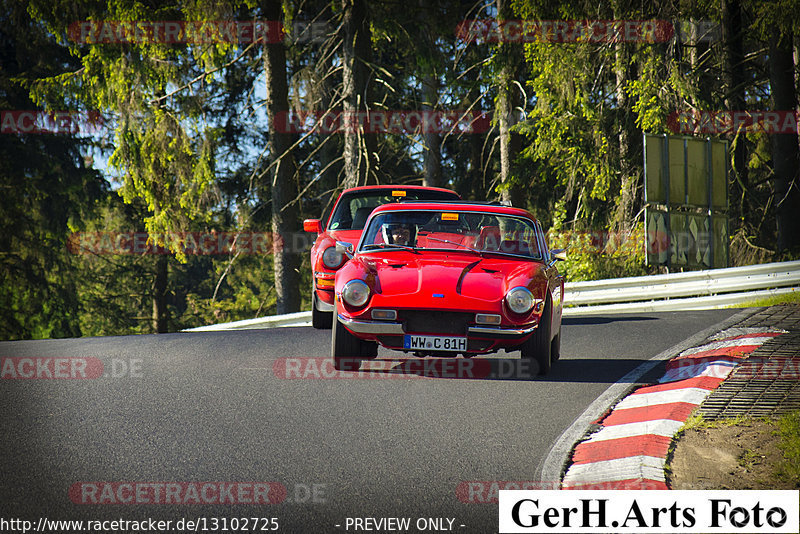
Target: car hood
x=351, y=236
x=447, y=277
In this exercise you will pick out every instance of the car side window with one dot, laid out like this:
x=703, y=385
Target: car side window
x=545, y=246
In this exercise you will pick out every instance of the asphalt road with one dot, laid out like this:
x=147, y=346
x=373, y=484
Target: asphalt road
x=215, y=407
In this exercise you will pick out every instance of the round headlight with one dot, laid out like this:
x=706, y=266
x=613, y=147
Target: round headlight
x=332, y=258
x=519, y=300
x=355, y=293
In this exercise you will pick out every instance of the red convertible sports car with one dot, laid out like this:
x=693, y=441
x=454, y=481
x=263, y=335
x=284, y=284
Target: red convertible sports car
x=346, y=223
x=448, y=278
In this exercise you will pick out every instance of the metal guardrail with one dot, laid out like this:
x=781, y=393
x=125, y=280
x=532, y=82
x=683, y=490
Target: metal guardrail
x=713, y=286
x=696, y=290
x=274, y=321
x=679, y=304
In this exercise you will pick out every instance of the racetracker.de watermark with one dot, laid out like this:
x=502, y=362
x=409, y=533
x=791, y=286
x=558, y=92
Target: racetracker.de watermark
x=642, y=511
x=50, y=122
x=672, y=242
x=586, y=31
x=196, y=32
x=778, y=368
x=66, y=368
x=652, y=242
x=700, y=122
x=383, y=122
x=210, y=243
x=594, y=241
x=177, y=493
x=321, y=368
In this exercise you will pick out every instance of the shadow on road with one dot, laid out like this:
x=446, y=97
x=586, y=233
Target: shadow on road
x=587, y=370
x=583, y=321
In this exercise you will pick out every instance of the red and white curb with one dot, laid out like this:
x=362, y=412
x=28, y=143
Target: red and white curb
x=629, y=450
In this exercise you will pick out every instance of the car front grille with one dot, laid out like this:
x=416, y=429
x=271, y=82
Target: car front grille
x=473, y=345
x=437, y=322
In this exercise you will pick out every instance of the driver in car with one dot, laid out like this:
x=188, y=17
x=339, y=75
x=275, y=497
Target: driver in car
x=397, y=234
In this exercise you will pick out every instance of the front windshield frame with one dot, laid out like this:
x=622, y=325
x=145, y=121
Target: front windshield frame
x=471, y=227
x=344, y=214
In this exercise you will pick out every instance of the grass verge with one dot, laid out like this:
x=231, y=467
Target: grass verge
x=788, y=431
x=789, y=298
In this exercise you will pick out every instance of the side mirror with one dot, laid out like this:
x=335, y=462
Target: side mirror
x=558, y=254
x=345, y=248
x=312, y=225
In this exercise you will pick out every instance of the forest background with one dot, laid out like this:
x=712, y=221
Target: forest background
x=163, y=131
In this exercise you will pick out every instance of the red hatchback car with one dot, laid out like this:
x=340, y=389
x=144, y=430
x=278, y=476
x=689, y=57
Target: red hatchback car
x=346, y=223
x=448, y=278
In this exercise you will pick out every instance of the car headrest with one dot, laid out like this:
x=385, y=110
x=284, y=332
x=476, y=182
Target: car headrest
x=360, y=217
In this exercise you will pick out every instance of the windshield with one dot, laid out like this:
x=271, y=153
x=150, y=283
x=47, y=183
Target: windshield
x=469, y=231
x=353, y=209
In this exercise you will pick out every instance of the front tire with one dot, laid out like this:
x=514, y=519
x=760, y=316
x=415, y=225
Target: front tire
x=347, y=350
x=539, y=346
x=319, y=319
x=555, y=350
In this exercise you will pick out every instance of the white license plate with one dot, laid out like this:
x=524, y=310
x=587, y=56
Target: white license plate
x=446, y=343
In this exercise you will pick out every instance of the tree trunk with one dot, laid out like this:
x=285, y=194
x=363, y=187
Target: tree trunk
x=473, y=183
x=735, y=82
x=283, y=188
x=432, y=149
x=329, y=163
x=359, y=147
x=432, y=140
x=629, y=137
x=627, y=188
x=630, y=146
x=160, y=283
x=505, y=109
x=785, y=150
x=504, y=123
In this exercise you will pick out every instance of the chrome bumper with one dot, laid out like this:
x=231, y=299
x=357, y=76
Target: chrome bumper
x=389, y=328
x=323, y=306
x=371, y=327
x=492, y=331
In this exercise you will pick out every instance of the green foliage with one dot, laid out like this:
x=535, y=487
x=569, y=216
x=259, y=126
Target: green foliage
x=788, y=429
x=748, y=459
x=564, y=128
x=186, y=141
x=597, y=255
x=158, y=95
x=46, y=186
x=696, y=420
x=245, y=292
x=174, y=109
x=648, y=93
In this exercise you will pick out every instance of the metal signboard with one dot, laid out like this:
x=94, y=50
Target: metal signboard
x=686, y=201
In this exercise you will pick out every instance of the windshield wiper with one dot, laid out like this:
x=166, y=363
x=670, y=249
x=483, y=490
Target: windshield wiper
x=457, y=244
x=391, y=245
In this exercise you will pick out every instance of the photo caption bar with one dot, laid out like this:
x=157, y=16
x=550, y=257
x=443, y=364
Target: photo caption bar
x=643, y=511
